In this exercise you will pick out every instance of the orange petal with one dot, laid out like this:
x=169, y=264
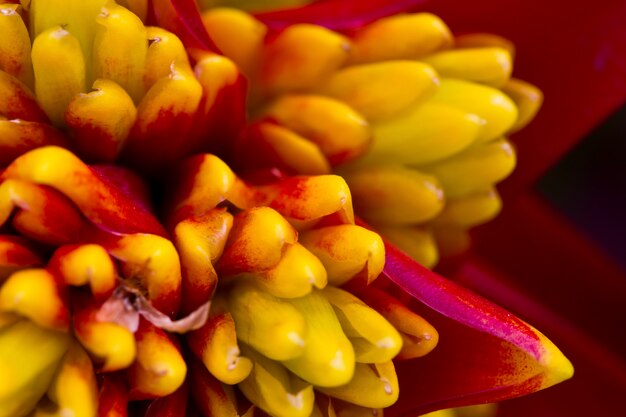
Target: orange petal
x=16, y=253
x=160, y=368
x=19, y=136
x=200, y=242
x=153, y=262
x=17, y=101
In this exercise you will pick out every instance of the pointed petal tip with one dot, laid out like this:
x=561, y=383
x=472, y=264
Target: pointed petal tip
x=556, y=365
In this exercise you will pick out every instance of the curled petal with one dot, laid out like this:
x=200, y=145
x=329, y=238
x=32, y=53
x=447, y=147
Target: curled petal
x=328, y=356
x=110, y=343
x=215, y=344
x=35, y=293
x=347, y=252
x=266, y=145
x=74, y=388
x=160, y=368
x=17, y=253
x=41, y=213
x=19, y=136
x=306, y=199
x=295, y=275
x=120, y=48
x=488, y=103
x=375, y=340
x=17, y=101
x=152, y=264
x=485, y=65
x=166, y=111
x=164, y=49
x=383, y=89
x=474, y=169
x=501, y=356
x=204, y=181
x=60, y=72
x=23, y=365
x=237, y=34
x=86, y=264
x=15, y=45
x=275, y=390
x=376, y=196
x=272, y=326
x=256, y=241
x=287, y=66
x=407, y=36
x=87, y=188
x=101, y=120
x=414, y=137
x=373, y=386
x=341, y=133
x=200, y=242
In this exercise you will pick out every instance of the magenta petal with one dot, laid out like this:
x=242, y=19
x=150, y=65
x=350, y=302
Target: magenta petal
x=338, y=15
x=485, y=353
x=183, y=18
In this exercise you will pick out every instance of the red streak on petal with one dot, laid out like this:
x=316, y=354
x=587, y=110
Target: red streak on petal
x=183, y=18
x=338, y=15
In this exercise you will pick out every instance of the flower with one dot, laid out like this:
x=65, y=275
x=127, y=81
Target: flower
x=230, y=283
x=374, y=106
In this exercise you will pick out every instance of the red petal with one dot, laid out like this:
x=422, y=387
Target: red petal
x=183, y=18
x=339, y=15
x=485, y=354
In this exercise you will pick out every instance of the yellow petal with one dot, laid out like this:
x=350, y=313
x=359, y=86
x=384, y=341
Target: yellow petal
x=490, y=104
x=59, y=68
x=238, y=36
x=382, y=90
x=175, y=96
x=418, y=336
x=274, y=389
x=75, y=16
x=374, y=339
x=295, y=275
x=160, y=368
x=373, y=386
x=270, y=325
x=400, y=37
x=164, y=49
x=34, y=293
x=395, y=195
x=346, y=251
x=424, y=134
x=15, y=45
x=474, y=169
x=26, y=372
x=108, y=342
x=138, y=7
x=256, y=241
x=475, y=40
x=215, y=73
x=215, y=344
x=74, y=387
x=491, y=65
x=105, y=115
x=120, y=48
x=328, y=357
x=471, y=210
x=88, y=264
x=526, y=97
x=340, y=132
x=288, y=66
x=417, y=242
